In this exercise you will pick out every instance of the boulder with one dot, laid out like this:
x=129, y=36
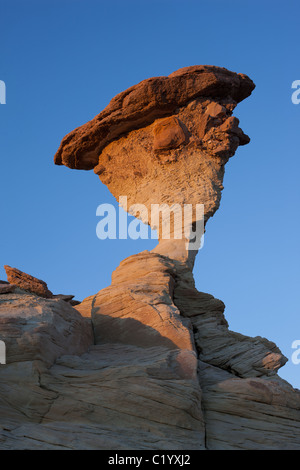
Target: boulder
x=27, y=282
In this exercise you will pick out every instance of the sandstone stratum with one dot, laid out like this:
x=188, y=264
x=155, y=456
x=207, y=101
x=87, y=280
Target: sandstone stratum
x=148, y=362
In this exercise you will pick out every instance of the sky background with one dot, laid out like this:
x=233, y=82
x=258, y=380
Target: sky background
x=63, y=61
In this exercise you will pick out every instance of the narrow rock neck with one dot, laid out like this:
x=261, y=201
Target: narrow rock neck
x=177, y=250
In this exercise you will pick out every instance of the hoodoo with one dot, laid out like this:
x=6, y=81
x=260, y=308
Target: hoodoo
x=148, y=362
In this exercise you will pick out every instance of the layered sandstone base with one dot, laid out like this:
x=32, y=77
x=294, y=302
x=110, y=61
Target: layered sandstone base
x=147, y=363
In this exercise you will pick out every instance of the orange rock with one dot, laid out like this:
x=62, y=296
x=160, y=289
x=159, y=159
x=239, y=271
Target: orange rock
x=27, y=282
x=168, y=134
x=141, y=104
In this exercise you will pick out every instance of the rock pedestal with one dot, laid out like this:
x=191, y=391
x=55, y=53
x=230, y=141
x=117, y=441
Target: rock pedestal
x=148, y=362
x=244, y=403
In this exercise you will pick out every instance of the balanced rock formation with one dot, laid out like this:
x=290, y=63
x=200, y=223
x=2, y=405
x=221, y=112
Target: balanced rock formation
x=164, y=141
x=148, y=362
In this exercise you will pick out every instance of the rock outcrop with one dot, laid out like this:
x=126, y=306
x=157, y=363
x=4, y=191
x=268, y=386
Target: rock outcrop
x=148, y=362
x=245, y=404
x=119, y=393
x=161, y=370
x=27, y=282
x=38, y=329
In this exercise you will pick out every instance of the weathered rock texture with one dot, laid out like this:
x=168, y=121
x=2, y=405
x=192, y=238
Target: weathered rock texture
x=27, y=282
x=244, y=403
x=121, y=393
x=148, y=362
x=34, y=328
x=163, y=370
x=17, y=278
x=164, y=141
x=141, y=104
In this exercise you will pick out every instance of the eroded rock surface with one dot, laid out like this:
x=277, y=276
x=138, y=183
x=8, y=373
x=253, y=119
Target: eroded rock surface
x=163, y=370
x=27, y=282
x=34, y=328
x=148, y=362
x=137, y=387
x=164, y=141
x=113, y=397
x=141, y=104
x=245, y=404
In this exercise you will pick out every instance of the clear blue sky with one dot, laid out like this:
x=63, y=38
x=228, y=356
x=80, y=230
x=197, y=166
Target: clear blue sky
x=62, y=62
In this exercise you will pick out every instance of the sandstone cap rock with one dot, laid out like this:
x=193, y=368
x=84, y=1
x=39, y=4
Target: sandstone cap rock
x=141, y=104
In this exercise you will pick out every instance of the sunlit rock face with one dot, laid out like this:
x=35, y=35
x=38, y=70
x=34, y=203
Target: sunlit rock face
x=175, y=160
x=148, y=362
x=141, y=104
x=165, y=141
